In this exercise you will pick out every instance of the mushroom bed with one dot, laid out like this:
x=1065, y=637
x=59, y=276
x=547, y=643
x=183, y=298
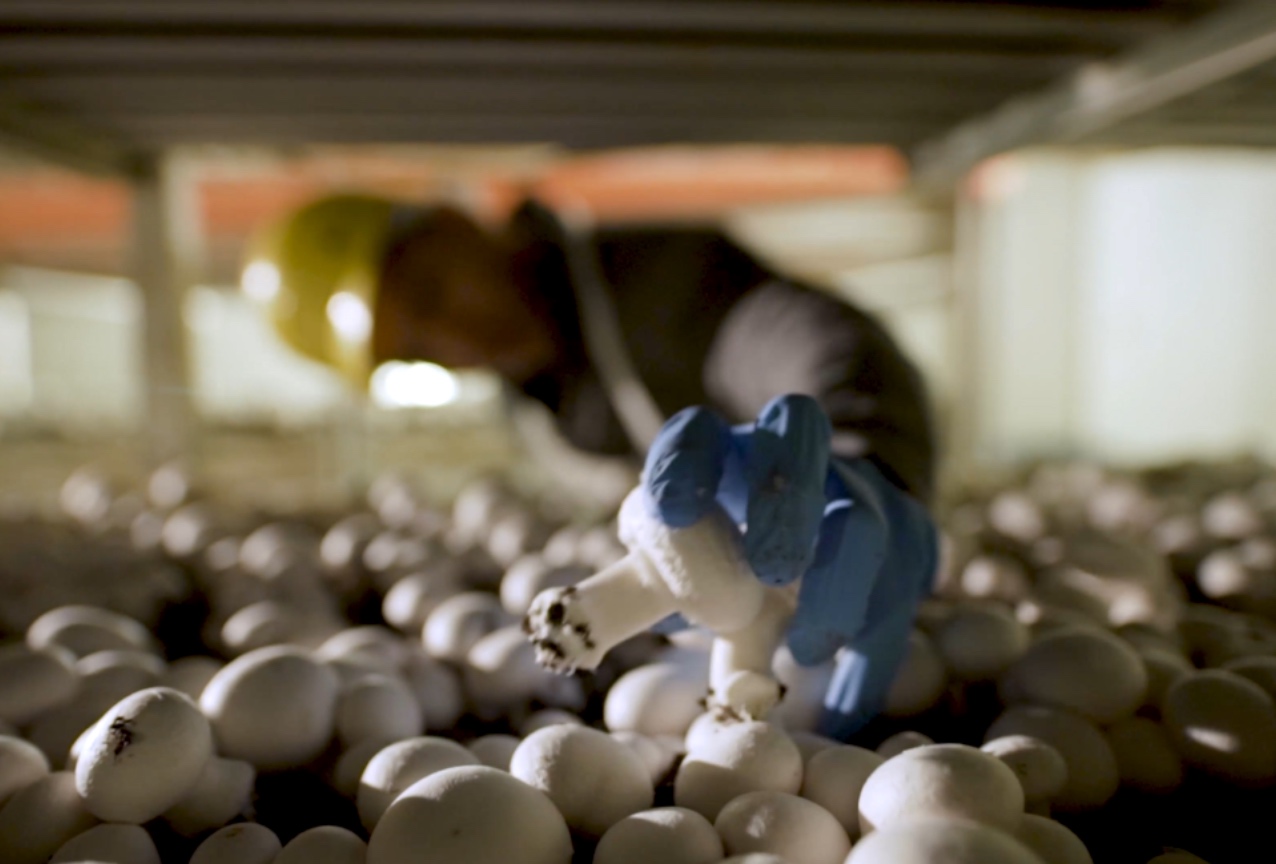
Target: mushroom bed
x=1091, y=681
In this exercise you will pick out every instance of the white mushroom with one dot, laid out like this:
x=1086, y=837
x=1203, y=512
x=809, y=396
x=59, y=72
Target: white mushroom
x=1091, y=672
x=1223, y=724
x=33, y=681
x=1052, y=842
x=994, y=577
x=258, y=625
x=901, y=742
x=529, y=576
x=501, y=673
x=979, y=642
x=222, y=792
x=744, y=757
x=805, y=687
x=1261, y=670
x=377, y=706
x=657, y=754
x=474, y=814
x=399, y=765
x=808, y=743
x=377, y=647
x=40, y=817
x=548, y=717
x=1041, y=769
x=242, y=843
x=437, y=689
x=144, y=756
x=920, y=681
x=1163, y=670
x=410, y=600
x=1093, y=777
x=116, y=844
x=657, y=699
x=834, y=778
x=1145, y=755
x=460, y=621
x=85, y=630
x=190, y=674
x=21, y=764
x=949, y=780
x=494, y=751
x=929, y=840
x=593, y=779
x=273, y=707
x=669, y=835
x=1231, y=516
x=699, y=571
x=326, y=844
x=782, y=824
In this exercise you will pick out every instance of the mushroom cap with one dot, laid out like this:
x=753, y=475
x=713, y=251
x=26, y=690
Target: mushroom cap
x=794, y=828
x=1163, y=668
x=460, y=621
x=495, y=751
x=1040, y=768
x=33, y=681
x=902, y=742
x=274, y=707
x=593, y=779
x=1260, y=669
x=437, y=689
x=143, y=756
x=657, y=699
x=21, y=764
x=221, y=793
x=241, y=843
x=377, y=706
x=397, y=766
x=475, y=814
x=326, y=844
x=1145, y=755
x=529, y=576
x=1091, y=672
x=670, y=835
x=85, y=630
x=979, y=642
x=1052, y=842
x=191, y=674
x=1093, y=777
x=740, y=758
x=1223, y=724
x=950, y=780
x=351, y=764
x=410, y=600
x=118, y=844
x=834, y=778
x=931, y=839
x=41, y=817
x=920, y=680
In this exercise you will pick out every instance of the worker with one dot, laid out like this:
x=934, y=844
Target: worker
x=796, y=412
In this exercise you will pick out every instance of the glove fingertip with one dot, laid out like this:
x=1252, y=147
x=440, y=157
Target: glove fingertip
x=811, y=646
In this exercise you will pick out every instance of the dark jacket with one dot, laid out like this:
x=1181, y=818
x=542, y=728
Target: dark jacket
x=708, y=324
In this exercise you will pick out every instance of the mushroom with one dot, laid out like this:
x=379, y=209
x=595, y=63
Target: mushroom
x=1041, y=769
x=117, y=844
x=1052, y=842
x=593, y=779
x=376, y=647
x=475, y=814
x=927, y=840
x=834, y=778
x=273, y=707
x=1260, y=669
x=21, y=764
x=222, y=792
x=994, y=577
x=242, y=843
x=548, y=717
x=979, y=642
x=494, y=751
x=658, y=754
x=143, y=756
x=656, y=699
x=85, y=630
x=740, y=758
x=410, y=600
x=1163, y=670
x=901, y=742
x=1145, y=755
x=794, y=828
x=501, y=675
x=1224, y=725
x=33, y=681
x=326, y=844
x=190, y=674
x=40, y=817
x=1091, y=672
x=529, y=576
x=1093, y=777
x=950, y=780
x=920, y=680
x=808, y=744
x=669, y=835
x=460, y=621
x=437, y=689
x=805, y=687
x=699, y=571
x=399, y=765
x=377, y=706
x=350, y=765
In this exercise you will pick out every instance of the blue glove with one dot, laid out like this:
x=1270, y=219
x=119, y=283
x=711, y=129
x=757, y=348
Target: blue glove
x=865, y=550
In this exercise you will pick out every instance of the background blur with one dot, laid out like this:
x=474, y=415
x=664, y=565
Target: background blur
x=1064, y=211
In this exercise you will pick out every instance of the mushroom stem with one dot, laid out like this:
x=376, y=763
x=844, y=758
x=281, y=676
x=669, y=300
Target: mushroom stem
x=740, y=677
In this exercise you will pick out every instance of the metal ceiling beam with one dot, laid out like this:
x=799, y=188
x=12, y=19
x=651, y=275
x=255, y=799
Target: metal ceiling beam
x=777, y=18
x=1100, y=97
x=59, y=141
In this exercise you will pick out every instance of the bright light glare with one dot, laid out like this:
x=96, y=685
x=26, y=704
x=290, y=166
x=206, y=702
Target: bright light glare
x=349, y=316
x=1215, y=739
x=413, y=385
x=261, y=281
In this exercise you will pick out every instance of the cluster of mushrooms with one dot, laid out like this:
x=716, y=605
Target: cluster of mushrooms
x=1092, y=681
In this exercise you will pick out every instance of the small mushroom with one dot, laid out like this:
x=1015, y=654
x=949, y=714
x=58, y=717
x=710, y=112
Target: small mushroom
x=1052, y=842
x=920, y=681
x=117, y=844
x=21, y=764
x=33, y=681
x=794, y=828
x=1093, y=777
x=669, y=835
x=901, y=742
x=242, y=843
x=84, y=630
x=494, y=751
x=222, y=792
x=1040, y=768
x=377, y=706
x=657, y=699
x=1145, y=755
x=326, y=844
x=460, y=621
x=42, y=816
x=1091, y=672
x=978, y=643
x=927, y=840
x=1223, y=724
x=399, y=765
x=741, y=758
x=834, y=779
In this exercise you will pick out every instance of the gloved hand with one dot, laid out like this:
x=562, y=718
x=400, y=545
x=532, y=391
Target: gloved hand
x=866, y=551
